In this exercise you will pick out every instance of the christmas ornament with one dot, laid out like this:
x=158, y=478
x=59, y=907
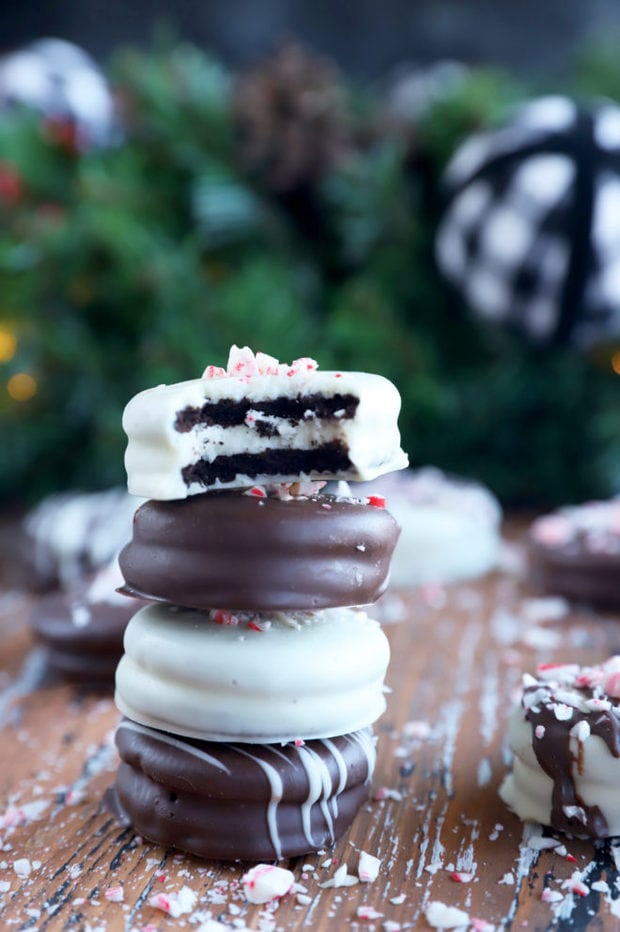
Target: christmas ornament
x=291, y=117
x=531, y=233
x=64, y=83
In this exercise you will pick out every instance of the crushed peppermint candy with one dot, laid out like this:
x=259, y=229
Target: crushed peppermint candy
x=386, y=792
x=441, y=916
x=176, y=903
x=562, y=712
x=581, y=731
x=576, y=885
x=368, y=912
x=461, y=876
x=540, y=842
x=23, y=867
x=368, y=867
x=340, y=879
x=20, y=815
x=551, y=896
x=115, y=894
x=265, y=882
x=244, y=363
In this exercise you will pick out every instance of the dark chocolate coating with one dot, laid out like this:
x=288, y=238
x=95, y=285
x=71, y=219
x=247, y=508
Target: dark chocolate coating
x=175, y=797
x=82, y=652
x=556, y=758
x=576, y=573
x=232, y=551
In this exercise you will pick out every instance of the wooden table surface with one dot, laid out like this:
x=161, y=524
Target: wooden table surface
x=457, y=657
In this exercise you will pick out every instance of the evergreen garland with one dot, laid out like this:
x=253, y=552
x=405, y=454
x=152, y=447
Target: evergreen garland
x=124, y=267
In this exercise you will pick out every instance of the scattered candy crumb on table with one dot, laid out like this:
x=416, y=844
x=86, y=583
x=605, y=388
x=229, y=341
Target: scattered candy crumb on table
x=435, y=845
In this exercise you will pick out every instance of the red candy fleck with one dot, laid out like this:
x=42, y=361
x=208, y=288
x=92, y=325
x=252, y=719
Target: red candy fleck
x=257, y=491
x=255, y=626
x=214, y=372
x=579, y=888
x=571, y=858
x=377, y=501
x=220, y=617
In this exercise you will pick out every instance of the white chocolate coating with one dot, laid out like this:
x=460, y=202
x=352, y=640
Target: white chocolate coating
x=184, y=674
x=73, y=534
x=527, y=790
x=157, y=452
x=575, y=701
x=450, y=528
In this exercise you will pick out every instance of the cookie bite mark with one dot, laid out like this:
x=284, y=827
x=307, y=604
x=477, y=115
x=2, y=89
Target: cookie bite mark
x=267, y=425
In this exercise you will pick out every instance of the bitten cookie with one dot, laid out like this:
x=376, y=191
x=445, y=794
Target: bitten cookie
x=239, y=801
x=565, y=737
x=260, y=422
x=575, y=552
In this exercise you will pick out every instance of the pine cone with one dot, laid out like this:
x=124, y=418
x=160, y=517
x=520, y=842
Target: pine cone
x=292, y=120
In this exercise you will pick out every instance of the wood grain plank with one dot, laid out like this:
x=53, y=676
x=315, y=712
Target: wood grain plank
x=457, y=656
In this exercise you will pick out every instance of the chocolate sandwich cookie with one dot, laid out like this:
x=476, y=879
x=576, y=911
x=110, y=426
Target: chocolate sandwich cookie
x=235, y=551
x=565, y=737
x=575, y=552
x=83, y=628
x=262, y=679
x=260, y=422
x=71, y=535
x=241, y=802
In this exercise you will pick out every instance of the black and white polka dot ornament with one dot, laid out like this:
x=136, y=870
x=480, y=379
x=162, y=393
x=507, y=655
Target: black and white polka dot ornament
x=61, y=81
x=531, y=232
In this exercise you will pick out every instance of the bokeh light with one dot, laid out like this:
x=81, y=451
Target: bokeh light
x=8, y=344
x=615, y=362
x=21, y=386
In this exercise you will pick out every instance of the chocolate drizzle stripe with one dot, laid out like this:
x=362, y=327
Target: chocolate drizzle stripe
x=554, y=756
x=342, y=771
x=322, y=790
x=275, y=782
x=232, y=413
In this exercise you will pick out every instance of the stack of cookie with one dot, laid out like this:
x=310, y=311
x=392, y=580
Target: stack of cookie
x=251, y=685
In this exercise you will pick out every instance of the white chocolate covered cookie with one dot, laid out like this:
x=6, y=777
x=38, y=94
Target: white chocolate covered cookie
x=565, y=737
x=260, y=422
x=268, y=678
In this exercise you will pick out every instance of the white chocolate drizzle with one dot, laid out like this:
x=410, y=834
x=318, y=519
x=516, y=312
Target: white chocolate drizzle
x=175, y=743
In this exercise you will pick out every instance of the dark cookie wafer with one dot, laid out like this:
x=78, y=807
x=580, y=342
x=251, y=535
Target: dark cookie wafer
x=575, y=552
x=240, y=801
x=83, y=631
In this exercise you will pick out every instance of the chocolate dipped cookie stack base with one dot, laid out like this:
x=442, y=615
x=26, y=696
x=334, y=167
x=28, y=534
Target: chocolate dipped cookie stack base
x=250, y=685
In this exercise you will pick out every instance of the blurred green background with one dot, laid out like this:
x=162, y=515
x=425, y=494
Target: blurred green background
x=293, y=209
